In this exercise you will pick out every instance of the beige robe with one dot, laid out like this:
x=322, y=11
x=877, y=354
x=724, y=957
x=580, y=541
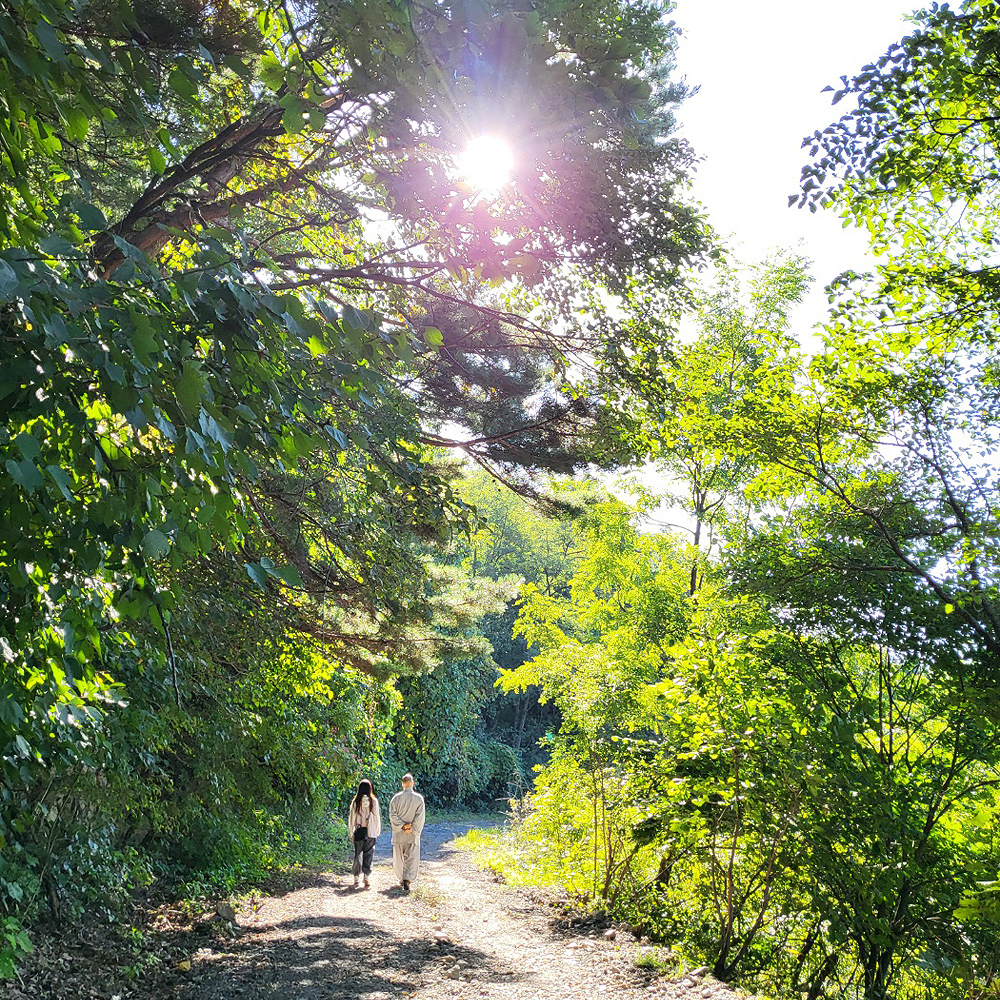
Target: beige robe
x=406, y=806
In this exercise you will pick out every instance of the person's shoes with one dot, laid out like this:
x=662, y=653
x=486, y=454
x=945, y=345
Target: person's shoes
x=406, y=885
x=367, y=883
x=355, y=881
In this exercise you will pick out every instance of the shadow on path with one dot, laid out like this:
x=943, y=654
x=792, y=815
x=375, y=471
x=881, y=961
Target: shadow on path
x=319, y=956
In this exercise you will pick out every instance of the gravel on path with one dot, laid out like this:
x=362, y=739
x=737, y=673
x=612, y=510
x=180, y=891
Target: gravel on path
x=458, y=934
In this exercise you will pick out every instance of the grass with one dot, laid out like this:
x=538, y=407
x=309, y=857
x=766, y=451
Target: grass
x=653, y=960
x=427, y=894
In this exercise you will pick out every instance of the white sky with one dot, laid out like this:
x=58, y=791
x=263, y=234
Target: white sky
x=761, y=66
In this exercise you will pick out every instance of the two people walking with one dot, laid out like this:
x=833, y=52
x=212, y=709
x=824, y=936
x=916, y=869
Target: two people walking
x=364, y=824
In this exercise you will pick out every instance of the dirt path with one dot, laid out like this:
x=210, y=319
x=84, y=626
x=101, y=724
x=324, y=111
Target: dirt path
x=458, y=934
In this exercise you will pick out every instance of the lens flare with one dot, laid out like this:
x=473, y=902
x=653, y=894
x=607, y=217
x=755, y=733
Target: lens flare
x=486, y=164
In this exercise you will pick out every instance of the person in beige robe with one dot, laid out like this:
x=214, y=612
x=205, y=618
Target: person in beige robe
x=406, y=817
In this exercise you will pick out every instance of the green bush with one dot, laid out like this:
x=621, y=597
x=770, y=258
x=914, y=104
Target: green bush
x=14, y=946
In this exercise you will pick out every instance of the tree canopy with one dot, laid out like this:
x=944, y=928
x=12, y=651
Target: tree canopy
x=247, y=300
x=291, y=401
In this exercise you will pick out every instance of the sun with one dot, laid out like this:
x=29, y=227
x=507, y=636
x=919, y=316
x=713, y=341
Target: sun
x=486, y=164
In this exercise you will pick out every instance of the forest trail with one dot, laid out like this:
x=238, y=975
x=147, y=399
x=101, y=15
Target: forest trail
x=458, y=934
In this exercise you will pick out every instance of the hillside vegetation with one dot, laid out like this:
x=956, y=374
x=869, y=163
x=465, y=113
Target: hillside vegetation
x=312, y=434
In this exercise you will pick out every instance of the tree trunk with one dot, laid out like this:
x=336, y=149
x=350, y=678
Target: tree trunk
x=208, y=170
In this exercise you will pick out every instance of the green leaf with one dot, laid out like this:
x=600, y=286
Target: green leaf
x=135, y=605
x=155, y=545
x=191, y=389
x=62, y=480
x=9, y=282
x=57, y=246
x=237, y=65
x=91, y=217
x=168, y=143
x=258, y=575
x=54, y=48
x=294, y=119
x=157, y=161
x=354, y=320
x=25, y=475
x=398, y=45
x=183, y=85
x=144, y=342
x=290, y=575
x=271, y=73
x=28, y=445
x=433, y=336
x=77, y=124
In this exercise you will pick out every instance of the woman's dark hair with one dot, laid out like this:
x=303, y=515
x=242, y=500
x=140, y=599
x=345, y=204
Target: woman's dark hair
x=365, y=788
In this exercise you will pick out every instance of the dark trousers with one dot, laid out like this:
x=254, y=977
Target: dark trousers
x=363, y=852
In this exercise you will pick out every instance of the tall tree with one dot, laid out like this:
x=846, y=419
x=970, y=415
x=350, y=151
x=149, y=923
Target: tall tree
x=244, y=293
x=729, y=383
x=913, y=348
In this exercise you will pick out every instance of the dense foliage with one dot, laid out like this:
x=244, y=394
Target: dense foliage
x=471, y=743
x=778, y=747
x=246, y=299
x=250, y=310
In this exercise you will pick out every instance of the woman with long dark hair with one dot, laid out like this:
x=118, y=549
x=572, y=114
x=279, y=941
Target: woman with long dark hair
x=364, y=824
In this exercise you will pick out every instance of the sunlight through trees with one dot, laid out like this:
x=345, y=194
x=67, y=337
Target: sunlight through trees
x=330, y=336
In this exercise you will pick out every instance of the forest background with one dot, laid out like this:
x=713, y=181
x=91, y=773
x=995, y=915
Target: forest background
x=306, y=434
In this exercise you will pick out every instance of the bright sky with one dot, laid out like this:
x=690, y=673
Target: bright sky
x=761, y=67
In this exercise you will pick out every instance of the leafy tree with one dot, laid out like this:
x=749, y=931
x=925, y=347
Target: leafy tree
x=517, y=539
x=809, y=749
x=905, y=781
x=909, y=373
x=597, y=647
x=796, y=804
x=470, y=742
x=440, y=732
x=335, y=407
x=921, y=138
x=238, y=269
x=876, y=536
x=872, y=538
x=726, y=384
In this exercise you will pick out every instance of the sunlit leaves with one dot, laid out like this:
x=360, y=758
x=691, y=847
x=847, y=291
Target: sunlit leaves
x=218, y=371
x=601, y=643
